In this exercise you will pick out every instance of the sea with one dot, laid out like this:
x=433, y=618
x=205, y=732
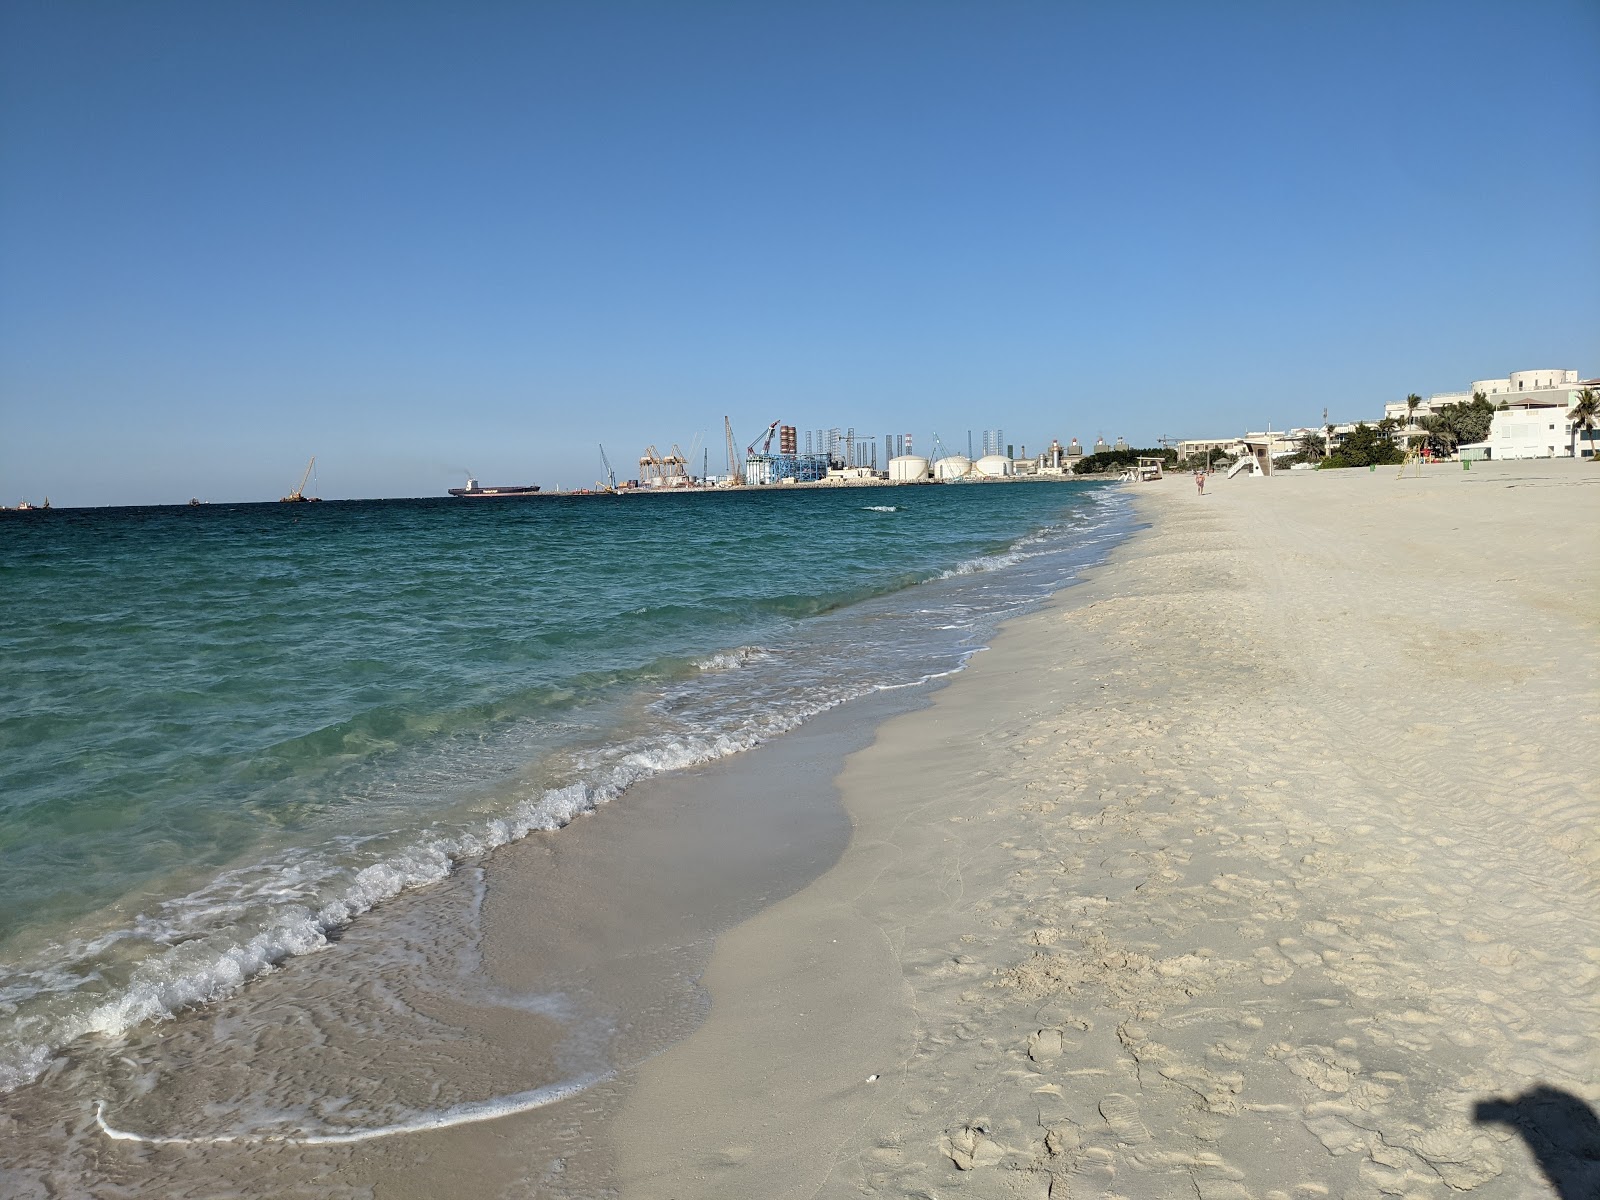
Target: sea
x=230, y=734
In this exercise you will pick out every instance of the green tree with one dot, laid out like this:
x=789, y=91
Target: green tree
x=1312, y=446
x=1121, y=460
x=1585, y=415
x=1364, y=446
x=1413, y=401
x=1459, y=424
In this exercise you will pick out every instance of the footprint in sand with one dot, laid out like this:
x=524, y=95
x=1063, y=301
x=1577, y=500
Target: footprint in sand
x=971, y=1146
x=1045, y=1045
x=1121, y=1113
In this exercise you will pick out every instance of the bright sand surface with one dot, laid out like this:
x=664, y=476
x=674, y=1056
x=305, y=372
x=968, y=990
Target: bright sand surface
x=1265, y=863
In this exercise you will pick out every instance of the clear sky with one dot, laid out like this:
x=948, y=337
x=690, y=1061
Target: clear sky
x=415, y=238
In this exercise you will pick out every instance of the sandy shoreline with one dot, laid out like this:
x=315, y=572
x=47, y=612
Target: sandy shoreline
x=1263, y=864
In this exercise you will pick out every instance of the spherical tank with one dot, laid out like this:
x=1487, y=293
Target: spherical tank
x=994, y=466
x=908, y=468
x=954, y=466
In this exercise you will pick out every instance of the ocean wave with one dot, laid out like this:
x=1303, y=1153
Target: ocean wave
x=989, y=562
x=881, y=508
x=732, y=660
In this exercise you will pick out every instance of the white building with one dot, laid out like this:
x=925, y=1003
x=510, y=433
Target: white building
x=1538, y=431
x=1517, y=387
x=1397, y=410
x=1531, y=421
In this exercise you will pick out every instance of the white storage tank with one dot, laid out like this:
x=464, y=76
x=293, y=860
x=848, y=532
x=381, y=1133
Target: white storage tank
x=994, y=466
x=908, y=468
x=952, y=466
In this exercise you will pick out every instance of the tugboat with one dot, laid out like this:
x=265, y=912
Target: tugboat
x=507, y=491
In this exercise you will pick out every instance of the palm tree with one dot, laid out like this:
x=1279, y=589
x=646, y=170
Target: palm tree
x=1312, y=448
x=1412, y=403
x=1585, y=415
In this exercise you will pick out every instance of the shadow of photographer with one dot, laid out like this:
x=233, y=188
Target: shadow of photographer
x=1562, y=1131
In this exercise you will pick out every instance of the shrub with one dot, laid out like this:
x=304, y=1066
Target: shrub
x=1364, y=446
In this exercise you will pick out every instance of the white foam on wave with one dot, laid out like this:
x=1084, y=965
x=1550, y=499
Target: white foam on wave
x=470, y=1113
x=932, y=675
x=881, y=508
x=991, y=562
x=732, y=660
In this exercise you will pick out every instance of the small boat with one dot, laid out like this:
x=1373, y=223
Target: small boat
x=505, y=491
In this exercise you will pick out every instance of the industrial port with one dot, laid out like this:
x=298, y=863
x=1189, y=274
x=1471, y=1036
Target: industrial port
x=783, y=455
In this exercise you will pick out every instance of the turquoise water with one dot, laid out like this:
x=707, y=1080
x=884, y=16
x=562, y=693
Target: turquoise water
x=227, y=731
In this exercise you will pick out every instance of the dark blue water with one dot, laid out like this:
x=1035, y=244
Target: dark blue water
x=228, y=730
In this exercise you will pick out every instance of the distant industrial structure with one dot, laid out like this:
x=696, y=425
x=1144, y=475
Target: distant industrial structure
x=784, y=454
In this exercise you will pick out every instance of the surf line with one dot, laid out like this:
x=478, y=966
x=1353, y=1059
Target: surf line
x=459, y=1114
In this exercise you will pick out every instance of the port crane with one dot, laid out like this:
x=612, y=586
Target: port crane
x=298, y=496
x=611, y=476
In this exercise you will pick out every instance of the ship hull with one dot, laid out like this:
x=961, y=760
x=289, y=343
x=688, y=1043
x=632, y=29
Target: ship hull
x=496, y=493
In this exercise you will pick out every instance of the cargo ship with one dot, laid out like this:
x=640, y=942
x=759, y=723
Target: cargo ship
x=506, y=492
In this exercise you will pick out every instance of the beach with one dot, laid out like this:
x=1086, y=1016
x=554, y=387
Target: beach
x=1259, y=862
x=1263, y=864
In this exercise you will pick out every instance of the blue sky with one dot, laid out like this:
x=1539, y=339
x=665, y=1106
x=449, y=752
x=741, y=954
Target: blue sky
x=415, y=238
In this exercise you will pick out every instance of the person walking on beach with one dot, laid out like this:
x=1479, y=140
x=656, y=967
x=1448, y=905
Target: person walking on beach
x=1200, y=483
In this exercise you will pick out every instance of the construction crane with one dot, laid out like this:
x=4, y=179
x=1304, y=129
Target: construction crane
x=765, y=445
x=735, y=465
x=298, y=496
x=694, y=447
x=611, y=476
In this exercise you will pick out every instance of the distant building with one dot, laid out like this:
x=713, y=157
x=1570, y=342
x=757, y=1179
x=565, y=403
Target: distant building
x=1518, y=387
x=1531, y=418
x=1524, y=430
x=1200, y=447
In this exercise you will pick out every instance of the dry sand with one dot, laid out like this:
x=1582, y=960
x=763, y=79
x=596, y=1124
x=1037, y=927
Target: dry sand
x=1266, y=863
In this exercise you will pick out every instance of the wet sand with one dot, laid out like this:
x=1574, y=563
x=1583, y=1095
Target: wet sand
x=1264, y=864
